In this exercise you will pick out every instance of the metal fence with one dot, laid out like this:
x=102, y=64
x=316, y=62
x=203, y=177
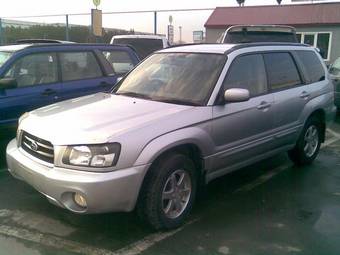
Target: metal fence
x=77, y=26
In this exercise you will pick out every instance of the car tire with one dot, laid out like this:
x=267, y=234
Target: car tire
x=168, y=192
x=308, y=144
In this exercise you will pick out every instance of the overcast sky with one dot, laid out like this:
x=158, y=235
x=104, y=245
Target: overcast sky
x=190, y=21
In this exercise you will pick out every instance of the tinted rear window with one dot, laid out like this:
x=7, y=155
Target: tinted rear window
x=281, y=70
x=312, y=66
x=254, y=36
x=144, y=47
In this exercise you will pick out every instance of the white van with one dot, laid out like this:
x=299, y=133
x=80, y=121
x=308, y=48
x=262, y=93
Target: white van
x=143, y=44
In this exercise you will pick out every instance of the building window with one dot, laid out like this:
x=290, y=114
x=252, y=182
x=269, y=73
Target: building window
x=320, y=40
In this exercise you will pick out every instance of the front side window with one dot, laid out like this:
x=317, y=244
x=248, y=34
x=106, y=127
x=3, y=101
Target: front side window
x=183, y=78
x=281, y=70
x=120, y=61
x=79, y=66
x=312, y=66
x=34, y=69
x=247, y=72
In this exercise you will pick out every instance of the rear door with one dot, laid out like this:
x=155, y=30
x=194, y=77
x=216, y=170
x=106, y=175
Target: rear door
x=38, y=85
x=291, y=94
x=242, y=131
x=82, y=74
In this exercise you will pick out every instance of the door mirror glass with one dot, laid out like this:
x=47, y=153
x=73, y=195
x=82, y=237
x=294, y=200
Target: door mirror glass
x=8, y=83
x=236, y=95
x=119, y=78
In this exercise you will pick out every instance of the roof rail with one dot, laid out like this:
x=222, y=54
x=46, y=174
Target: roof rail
x=259, y=44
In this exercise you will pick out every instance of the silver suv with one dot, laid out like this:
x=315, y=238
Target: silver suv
x=183, y=117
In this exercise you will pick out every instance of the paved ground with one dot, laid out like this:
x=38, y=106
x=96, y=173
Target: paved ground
x=267, y=208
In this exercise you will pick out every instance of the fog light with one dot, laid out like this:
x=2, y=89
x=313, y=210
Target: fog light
x=80, y=200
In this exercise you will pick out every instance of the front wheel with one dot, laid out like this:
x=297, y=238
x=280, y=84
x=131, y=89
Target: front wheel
x=169, y=192
x=308, y=144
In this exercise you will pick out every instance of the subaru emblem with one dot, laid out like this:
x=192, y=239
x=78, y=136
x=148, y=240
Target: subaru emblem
x=34, y=146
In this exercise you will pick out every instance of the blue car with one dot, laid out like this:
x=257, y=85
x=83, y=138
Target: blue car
x=35, y=75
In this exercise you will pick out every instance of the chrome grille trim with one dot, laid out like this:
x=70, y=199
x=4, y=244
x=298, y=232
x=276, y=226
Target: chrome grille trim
x=37, y=147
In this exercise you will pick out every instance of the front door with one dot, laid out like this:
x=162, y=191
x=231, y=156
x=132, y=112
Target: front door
x=37, y=85
x=242, y=130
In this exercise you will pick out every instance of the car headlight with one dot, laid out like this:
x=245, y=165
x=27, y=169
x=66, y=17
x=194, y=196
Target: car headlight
x=102, y=155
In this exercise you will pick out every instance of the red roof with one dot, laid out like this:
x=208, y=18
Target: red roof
x=294, y=15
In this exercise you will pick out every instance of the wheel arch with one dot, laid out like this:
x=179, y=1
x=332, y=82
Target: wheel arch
x=320, y=114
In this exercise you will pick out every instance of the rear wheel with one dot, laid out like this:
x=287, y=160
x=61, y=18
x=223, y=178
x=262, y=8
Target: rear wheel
x=308, y=144
x=169, y=192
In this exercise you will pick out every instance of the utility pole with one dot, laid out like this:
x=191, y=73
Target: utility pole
x=155, y=22
x=180, y=34
x=67, y=29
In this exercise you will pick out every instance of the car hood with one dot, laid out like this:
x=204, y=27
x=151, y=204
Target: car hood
x=97, y=118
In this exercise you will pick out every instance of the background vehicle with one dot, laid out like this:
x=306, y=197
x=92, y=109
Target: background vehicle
x=258, y=33
x=34, y=75
x=334, y=71
x=183, y=117
x=143, y=44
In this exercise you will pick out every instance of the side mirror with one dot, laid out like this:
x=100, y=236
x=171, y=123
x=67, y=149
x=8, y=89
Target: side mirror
x=119, y=78
x=236, y=95
x=8, y=83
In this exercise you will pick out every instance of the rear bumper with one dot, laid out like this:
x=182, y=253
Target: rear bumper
x=104, y=192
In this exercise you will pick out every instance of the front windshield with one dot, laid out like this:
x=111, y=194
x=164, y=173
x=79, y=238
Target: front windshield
x=184, y=78
x=4, y=56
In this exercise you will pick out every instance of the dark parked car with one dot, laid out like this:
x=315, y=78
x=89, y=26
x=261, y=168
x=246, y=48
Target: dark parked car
x=34, y=75
x=334, y=71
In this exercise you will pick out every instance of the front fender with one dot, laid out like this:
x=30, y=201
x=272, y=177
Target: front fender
x=191, y=135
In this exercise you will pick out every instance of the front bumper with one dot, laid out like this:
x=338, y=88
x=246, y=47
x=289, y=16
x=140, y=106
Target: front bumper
x=104, y=192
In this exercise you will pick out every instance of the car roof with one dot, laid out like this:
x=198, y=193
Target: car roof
x=13, y=48
x=139, y=36
x=200, y=48
x=223, y=48
x=18, y=47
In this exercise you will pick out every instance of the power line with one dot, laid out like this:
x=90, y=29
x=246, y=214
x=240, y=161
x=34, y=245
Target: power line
x=112, y=12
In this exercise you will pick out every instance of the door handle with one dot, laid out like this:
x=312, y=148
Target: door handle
x=304, y=95
x=264, y=105
x=48, y=92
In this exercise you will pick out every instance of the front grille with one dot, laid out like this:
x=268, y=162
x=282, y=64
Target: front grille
x=37, y=147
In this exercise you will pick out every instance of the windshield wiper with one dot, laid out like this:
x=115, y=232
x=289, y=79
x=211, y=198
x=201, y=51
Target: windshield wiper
x=178, y=101
x=134, y=94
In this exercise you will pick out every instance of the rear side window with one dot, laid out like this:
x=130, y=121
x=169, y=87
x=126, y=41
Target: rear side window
x=312, y=66
x=281, y=70
x=120, y=61
x=247, y=72
x=79, y=66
